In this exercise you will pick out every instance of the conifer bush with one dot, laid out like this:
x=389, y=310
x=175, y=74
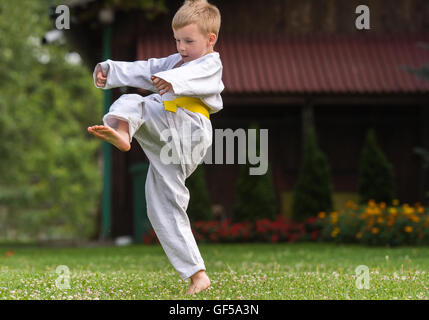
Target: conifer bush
x=199, y=207
x=313, y=190
x=255, y=194
x=376, y=176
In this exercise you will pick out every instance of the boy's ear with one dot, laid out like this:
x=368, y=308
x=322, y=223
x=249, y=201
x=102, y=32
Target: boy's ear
x=212, y=38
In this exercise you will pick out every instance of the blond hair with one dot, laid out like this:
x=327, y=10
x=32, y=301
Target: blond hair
x=205, y=15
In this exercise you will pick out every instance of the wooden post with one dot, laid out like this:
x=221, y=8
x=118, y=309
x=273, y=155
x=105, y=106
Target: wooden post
x=107, y=167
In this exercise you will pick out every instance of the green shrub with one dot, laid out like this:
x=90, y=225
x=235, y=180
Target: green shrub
x=376, y=177
x=255, y=194
x=313, y=190
x=199, y=208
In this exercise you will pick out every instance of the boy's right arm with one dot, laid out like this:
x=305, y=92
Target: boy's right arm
x=133, y=74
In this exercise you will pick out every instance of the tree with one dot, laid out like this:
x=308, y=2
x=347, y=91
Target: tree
x=376, y=177
x=49, y=177
x=255, y=193
x=313, y=190
x=199, y=208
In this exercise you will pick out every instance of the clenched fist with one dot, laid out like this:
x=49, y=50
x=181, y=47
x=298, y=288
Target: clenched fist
x=101, y=79
x=161, y=85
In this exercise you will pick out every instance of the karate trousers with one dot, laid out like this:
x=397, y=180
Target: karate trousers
x=167, y=197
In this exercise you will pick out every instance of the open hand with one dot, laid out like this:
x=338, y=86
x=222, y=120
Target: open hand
x=161, y=85
x=101, y=79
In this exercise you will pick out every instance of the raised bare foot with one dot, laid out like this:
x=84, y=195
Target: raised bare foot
x=199, y=282
x=110, y=135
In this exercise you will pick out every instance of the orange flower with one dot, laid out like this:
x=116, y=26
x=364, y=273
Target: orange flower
x=350, y=204
x=393, y=211
x=374, y=230
x=408, y=229
x=359, y=235
x=363, y=216
x=414, y=218
x=322, y=214
x=334, y=217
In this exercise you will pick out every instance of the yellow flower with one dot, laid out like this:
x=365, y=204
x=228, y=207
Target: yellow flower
x=322, y=214
x=335, y=232
x=380, y=220
x=393, y=211
x=371, y=203
x=395, y=202
x=374, y=230
x=408, y=229
x=407, y=210
x=374, y=211
x=359, y=235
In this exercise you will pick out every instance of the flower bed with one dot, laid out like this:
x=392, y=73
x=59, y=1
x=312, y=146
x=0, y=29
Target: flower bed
x=372, y=224
x=376, y=224
x=264, y=230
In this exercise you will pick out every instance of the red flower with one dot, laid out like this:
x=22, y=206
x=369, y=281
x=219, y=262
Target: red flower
x=263, y=225
x=293, y=237
x=147, y=239
x=311, y=220
x=213, y=237
x=314, y=235
x=274, y=238
x=236, y=228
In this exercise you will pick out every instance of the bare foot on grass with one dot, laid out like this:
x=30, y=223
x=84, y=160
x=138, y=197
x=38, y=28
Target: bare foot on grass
x=199, y=282
x=119, y=139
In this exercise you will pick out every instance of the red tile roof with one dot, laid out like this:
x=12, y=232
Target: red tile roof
x=360, y=64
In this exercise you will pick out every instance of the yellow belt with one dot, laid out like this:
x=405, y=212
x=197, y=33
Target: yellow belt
x=189, y=103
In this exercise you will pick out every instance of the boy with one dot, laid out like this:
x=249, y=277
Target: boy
x=189, y=85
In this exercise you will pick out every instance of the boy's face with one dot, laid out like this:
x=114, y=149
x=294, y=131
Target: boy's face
x=192, y=44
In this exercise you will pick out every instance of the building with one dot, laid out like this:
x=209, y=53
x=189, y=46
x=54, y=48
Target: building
x=288, y=65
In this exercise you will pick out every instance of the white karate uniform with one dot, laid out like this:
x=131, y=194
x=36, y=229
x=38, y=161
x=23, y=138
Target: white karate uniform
x=167, y=197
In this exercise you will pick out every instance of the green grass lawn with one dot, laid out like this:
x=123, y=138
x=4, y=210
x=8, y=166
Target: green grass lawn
x=238, y=271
